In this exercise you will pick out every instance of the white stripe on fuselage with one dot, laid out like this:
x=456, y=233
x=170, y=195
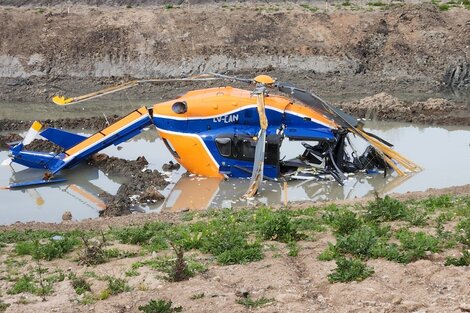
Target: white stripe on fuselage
x=250, y=106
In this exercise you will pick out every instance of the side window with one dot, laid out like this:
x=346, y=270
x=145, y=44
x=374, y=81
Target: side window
x=225, y=146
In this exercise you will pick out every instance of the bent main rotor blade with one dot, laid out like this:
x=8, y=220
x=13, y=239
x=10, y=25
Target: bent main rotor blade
x=61, y=100
x=258, y=165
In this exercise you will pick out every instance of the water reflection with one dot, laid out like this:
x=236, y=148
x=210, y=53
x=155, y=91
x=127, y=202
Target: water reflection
x=444, y=153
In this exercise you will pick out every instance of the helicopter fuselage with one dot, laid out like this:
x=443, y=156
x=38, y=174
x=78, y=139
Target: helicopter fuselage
x=213, y=132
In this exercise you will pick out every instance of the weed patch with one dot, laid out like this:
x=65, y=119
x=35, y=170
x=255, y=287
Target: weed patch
x=464, y=260
x=277, y=226
x=53, y=249
x=248, y=302
x=160, y=306
x=350, y=270
x=386, y=209
x=117, y=285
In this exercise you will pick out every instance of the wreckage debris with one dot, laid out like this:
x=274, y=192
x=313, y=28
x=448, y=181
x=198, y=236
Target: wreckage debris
x=171, y=166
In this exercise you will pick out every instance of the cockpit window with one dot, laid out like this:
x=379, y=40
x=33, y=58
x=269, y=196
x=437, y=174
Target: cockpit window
x=225, y=146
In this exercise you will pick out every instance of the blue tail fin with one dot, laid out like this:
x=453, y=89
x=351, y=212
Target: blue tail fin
x=62, y=138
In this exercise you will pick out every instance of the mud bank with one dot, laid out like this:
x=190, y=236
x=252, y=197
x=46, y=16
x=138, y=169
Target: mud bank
x=383, y=106
x=401, y=44
x=142, y=187
x=103, y=223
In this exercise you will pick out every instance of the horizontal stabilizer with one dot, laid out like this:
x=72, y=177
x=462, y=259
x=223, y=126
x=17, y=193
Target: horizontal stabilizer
x=62, y=138
x=34, y=183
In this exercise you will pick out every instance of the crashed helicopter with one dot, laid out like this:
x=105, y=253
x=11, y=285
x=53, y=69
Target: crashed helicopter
x=227, y=132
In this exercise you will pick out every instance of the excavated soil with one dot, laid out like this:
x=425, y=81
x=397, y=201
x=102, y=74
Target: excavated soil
x=72, y=49
x=383, y=106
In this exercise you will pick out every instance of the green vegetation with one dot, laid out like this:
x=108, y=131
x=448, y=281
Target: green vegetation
x=248, y=302
x=50, y=250
x=349, y=270
x=117, y=285
x=79, y=284
x=377, y=4
x=197, y=296
x=308, y=7
x=172, y=267
x=398, y=231
x=464, y=260
x=160, y=306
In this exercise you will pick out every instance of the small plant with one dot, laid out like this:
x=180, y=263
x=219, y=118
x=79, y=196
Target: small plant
x=45, y=286
x=24, y=284
x=251, y=303
x=168, y=6
x=179, y=270
x=93, y=252
x=53, y=249
x=330, y=253
x=343, y=221
x=463, y=231
x=240, y=255
x=80, y=285
x=376, y=4
x=197, y=296
x=117, y=285
x=278, y=226
x=385, y=209
x=309, y=7
x=443, y=7
x=350, y=270
x=160, y=306
x=3, y=306
x=293, y=249
x=132, y=272
x=464, y=260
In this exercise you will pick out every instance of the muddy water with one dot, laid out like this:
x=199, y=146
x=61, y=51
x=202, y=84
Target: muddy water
x=443, y=152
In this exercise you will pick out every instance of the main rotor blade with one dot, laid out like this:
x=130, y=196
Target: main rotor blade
x=61, y=100
x=258, y=165
x=340, y=117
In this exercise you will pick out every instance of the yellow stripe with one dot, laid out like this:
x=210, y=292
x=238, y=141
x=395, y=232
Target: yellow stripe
x=108, y=130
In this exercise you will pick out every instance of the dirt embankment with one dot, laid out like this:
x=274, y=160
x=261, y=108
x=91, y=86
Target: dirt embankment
x=383, y=106
x=44, y=51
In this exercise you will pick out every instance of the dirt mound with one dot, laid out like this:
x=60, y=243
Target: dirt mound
x=6, y=139
x=96, y=122
x=402, y=42
x=141, y=189
x=383, y=106
x=43, y=146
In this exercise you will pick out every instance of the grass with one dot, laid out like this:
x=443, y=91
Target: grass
x=160, y=306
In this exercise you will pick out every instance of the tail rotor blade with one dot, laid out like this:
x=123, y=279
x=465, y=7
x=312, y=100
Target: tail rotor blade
x=6, y=162
x=32, y=133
